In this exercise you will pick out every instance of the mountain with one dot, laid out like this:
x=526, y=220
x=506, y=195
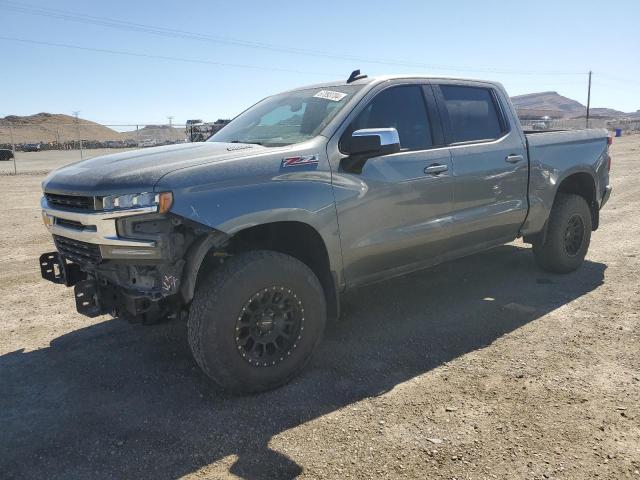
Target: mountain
x=554, y=105
x=551, y=104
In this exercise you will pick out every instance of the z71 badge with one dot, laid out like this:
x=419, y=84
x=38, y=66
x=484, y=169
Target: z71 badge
x=304, y=160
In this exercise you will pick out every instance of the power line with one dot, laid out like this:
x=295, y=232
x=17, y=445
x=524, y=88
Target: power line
x=161, y=57
x=170, y=58
x=183, y=34
x=618, y=79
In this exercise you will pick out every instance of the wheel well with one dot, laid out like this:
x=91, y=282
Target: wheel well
x=583, y=184
x=298, y=240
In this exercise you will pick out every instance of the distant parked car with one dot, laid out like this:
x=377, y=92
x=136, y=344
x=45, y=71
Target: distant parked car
x=6, y=154
x=32, y=147
x=150, y=142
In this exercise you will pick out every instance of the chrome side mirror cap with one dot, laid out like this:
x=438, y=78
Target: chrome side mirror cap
x=387, y=136
x=368, y=143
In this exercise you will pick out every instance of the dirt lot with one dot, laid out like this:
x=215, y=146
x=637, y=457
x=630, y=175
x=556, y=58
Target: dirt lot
x=483, y=368
x=39, y=163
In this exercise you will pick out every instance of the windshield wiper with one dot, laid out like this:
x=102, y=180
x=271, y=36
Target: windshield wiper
x=242, y=141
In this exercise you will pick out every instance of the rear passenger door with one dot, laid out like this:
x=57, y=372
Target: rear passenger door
x=490, y=168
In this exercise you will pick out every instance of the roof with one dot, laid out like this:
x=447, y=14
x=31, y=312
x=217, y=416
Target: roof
x=383, y=78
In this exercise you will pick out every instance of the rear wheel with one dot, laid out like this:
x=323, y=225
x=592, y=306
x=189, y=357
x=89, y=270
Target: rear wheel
x=256, y=320
x=568, y=235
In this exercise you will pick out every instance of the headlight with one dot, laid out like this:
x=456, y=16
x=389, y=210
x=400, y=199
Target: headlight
x=162, y=200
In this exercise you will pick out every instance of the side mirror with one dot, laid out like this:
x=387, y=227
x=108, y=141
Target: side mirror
x=368, y=143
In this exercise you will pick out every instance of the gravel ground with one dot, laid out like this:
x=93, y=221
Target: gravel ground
x=39, y=163
x=482, y=368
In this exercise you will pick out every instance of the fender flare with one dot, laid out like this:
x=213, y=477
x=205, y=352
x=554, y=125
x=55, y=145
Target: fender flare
x=194, y=258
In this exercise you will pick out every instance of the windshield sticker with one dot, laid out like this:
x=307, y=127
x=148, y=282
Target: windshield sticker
x=330, y=95
x=300, y=161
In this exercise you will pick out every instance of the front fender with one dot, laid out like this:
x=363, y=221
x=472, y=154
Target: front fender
x=305, y=197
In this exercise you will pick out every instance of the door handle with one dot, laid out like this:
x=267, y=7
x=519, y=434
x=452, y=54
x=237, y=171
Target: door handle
x=514, y=158
x=435, y=169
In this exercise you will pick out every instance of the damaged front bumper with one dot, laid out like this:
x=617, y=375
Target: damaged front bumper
x=125, y=263
x=96, y=293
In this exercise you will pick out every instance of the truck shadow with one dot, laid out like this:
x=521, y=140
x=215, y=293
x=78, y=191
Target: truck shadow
x=116, y=400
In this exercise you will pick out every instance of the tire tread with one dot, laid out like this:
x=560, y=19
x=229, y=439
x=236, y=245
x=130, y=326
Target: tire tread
x=208, y=295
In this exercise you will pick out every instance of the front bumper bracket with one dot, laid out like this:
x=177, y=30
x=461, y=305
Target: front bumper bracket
x=55, y=268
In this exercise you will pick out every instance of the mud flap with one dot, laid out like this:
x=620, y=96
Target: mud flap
x=86, y=295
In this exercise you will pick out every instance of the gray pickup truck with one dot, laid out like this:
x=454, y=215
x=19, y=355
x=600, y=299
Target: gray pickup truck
x=253, y=235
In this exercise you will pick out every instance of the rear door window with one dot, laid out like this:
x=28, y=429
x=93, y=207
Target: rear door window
x=472, y=112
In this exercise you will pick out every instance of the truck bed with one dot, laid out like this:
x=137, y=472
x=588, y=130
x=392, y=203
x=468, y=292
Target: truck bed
x=562, y=149
x=553, y=156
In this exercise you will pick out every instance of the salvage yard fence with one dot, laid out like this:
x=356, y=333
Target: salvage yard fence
x=86, y=135
x=625, y=125
x=80, y=140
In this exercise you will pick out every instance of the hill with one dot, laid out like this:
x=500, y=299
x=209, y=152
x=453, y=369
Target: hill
x=56, y=127
x=52, y=127
x=161, y=133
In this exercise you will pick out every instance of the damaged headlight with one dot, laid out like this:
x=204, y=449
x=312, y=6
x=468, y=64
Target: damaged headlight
x=162, y=200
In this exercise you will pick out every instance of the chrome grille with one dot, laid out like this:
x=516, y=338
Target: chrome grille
x=69, y=201
x=81, y=253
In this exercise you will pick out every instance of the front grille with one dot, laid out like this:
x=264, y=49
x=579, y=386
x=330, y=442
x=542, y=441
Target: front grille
x=81, y=253
x=69, y=201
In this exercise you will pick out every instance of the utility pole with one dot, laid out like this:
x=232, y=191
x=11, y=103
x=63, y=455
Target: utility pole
x=13, y=149
x=588, y=98
x=170, y=117
x=75, y=114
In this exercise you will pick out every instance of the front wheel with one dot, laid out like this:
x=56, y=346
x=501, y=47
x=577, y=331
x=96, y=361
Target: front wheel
x=568, y=235
x=256, y=320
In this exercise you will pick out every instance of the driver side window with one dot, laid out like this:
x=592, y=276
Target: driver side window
x=403, y=108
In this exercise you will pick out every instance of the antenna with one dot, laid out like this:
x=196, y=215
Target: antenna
x=355, y=75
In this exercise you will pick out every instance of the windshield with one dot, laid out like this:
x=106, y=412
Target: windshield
x=287, y=118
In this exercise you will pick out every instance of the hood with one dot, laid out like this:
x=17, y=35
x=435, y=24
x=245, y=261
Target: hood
x=139, y=170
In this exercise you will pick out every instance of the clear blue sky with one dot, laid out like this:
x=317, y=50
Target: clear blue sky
x=483, y=39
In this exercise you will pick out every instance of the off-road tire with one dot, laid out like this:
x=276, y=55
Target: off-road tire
x=557, y=254
x=218, y=302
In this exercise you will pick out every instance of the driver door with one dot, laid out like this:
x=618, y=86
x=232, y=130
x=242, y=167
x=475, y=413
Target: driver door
x=395, y=216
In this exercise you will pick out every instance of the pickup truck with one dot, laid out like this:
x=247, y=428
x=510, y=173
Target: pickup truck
x=253, y=235
x=6, y=154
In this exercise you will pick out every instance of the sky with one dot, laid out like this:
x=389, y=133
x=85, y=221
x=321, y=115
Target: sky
x=217, y=58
